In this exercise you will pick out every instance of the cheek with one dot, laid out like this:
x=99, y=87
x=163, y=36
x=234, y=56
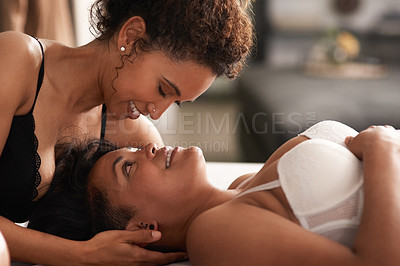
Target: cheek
x=148, y=181
x=157, y=199
x=133, y=81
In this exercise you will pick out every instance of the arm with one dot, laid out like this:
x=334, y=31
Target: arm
x=379, y=148
x=18, y=71
x=107, y=248
x=27, y=245
x=239, y=233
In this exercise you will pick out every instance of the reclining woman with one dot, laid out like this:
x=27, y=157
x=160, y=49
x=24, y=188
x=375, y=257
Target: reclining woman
x=313, y=202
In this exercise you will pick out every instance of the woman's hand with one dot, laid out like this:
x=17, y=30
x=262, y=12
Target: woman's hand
x=379, y=148
x=374, y=140
x=123, y=248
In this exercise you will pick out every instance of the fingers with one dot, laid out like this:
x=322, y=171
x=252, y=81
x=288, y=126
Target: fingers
x=348, y=139
x=381, y=127
x=353, y=146
x=383, y=137
x=143, y=237
x=122, y=247
x=140, y=236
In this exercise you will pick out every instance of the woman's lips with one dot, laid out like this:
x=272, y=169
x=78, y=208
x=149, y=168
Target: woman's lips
x=173, y=153
x=133, y=112
x=170, y=155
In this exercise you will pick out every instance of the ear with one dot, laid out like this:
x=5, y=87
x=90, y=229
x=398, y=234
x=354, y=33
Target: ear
x=132, y=30
x=134, y=225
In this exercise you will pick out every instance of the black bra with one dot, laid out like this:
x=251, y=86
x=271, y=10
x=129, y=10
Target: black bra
x=20, y=163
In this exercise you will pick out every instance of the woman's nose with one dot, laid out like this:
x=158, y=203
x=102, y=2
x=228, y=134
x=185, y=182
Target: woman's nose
x=151, y=150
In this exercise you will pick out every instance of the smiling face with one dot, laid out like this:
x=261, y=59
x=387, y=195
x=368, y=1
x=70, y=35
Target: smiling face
x=144, y=180
x=150, y=82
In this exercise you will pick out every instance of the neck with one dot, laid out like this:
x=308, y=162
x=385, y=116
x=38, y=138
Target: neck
x=82, y=73
x=211, y=198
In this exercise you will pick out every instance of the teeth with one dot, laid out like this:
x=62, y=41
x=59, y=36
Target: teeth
x=133, y=149
x=135, y=111
x=167, y=163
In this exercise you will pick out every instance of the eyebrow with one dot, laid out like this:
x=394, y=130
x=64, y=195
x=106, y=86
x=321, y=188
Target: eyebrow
x=177, y=91
x=114, y=164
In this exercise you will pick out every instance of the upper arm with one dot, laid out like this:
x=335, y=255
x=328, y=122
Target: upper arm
x=248, y=235
x=17, y=78
x=135, y=133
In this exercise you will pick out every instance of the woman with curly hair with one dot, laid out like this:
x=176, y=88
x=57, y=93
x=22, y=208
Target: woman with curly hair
x=146, y=56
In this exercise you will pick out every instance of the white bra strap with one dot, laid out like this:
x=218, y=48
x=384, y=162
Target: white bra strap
x=267, y=186
x=244, y=182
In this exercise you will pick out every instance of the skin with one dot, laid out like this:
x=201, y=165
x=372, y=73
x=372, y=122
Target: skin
x=209, y=222
x=4, y=255
x=76, y=83
x=184, y=182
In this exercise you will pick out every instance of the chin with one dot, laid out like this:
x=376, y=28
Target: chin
x=197, y=151
x=198, y=155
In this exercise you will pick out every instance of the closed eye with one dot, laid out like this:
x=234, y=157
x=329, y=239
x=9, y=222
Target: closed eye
x=160, y=90
x=164, y=95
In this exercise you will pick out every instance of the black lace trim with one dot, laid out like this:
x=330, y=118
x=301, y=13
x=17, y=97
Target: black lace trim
x=38, y=162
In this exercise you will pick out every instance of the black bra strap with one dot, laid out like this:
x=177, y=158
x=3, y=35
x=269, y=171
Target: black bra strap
x=40, y=78
x=103, y=121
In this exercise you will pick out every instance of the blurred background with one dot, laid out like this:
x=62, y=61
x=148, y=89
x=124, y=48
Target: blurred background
x=314, y=60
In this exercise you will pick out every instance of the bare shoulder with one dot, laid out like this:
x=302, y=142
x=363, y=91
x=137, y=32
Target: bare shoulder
x=15, y=46
x=227, y=235
x=20, y=62
x=242, y=234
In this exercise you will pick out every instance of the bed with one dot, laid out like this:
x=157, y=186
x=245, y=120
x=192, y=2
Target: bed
x=221, y=175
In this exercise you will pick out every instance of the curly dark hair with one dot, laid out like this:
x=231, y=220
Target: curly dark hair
x=214, y=33
x=72, y=208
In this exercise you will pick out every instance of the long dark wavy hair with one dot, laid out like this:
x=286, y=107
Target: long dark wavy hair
x=70, y=209
x=217, y=34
